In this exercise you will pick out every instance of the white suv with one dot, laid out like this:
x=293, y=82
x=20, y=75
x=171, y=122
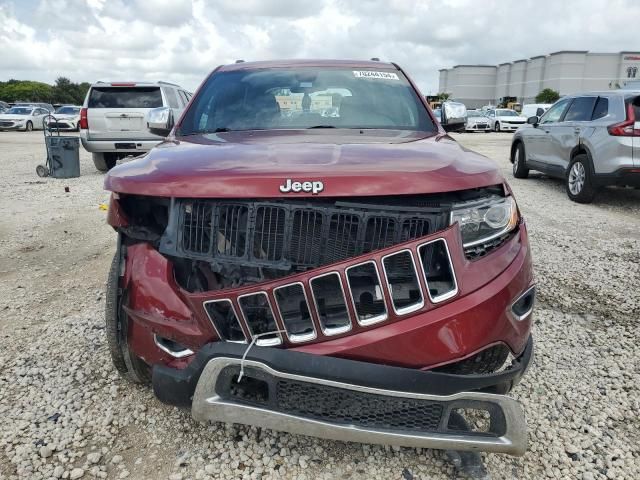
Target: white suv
x=113, y=119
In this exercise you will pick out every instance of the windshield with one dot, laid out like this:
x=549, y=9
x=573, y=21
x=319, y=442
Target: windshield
x=506, y=113
x=309, y=97
x=69, y=110
x=20, y=111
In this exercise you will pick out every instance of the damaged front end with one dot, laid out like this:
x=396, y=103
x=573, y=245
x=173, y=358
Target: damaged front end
x=361, y=319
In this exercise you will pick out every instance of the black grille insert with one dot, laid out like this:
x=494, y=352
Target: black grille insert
x=347, y=407
x=294, y=236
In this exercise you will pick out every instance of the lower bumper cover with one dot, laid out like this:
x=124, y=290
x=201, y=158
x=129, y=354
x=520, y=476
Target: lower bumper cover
x=347, y=400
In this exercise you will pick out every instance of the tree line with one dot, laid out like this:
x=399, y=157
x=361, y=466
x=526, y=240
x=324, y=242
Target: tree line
x=62, y=91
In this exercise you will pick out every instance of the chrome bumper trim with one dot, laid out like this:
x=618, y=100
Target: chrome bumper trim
x=207, y=405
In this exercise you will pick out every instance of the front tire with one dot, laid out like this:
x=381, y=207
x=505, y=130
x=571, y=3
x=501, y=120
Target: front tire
x=579, y=180
x=496, y=127
x=518, y=159
x=103, y=162
x=28, y=127
x=126, y=362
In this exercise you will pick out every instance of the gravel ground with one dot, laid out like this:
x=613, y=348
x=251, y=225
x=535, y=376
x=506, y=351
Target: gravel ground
x=68, y=414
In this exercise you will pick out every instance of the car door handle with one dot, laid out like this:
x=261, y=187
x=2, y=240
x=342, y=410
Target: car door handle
x=576, y=129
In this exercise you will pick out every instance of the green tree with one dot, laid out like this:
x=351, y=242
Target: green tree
x=64, y=91
x=25, y=90
x=548, y=95
x=443, y=96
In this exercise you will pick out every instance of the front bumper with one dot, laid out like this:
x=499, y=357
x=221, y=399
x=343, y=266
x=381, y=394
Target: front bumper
x=510, y=126
x=478, y=127
x=347, y=400
x=6, y=125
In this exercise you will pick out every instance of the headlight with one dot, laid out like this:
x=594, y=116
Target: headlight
x=486, y=219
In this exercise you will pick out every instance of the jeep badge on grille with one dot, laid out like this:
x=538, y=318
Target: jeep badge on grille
x=314, y=187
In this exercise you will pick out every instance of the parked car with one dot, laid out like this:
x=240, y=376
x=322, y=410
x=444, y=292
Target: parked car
x=114, y=116
x=590, y=140
x=296, y=271
x=25, y=118
x=505, y=119
x=477, y=121
x=46, y=106
x=4, y=106
x=532, y=109
x=67, y=117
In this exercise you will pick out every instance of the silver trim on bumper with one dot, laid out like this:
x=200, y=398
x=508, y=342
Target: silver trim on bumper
x=209, y=406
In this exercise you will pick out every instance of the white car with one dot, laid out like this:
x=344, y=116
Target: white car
x=536, y=109
x=113, y=119
x=505, y=120
x=25, y=118
x=66, y=118
x=477, y=121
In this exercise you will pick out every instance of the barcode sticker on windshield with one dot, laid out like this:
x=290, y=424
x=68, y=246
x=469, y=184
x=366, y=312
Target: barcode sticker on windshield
x=372, y=74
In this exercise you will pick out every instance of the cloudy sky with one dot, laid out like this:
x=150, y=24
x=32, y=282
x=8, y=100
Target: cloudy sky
x=183, y=40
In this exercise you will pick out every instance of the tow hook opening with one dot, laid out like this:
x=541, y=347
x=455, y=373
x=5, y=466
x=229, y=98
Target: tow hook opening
x=523, y=306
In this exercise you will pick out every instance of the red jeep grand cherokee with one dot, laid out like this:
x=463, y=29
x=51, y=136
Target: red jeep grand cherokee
x=308, y=251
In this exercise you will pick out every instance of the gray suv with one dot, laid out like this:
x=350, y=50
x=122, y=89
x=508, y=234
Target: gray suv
x=589, y=140
x=113, y=118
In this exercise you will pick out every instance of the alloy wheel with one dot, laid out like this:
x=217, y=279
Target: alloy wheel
x=577, y=176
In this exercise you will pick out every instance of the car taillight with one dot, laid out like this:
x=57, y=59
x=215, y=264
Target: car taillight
x=84, y=123
x=626, y=128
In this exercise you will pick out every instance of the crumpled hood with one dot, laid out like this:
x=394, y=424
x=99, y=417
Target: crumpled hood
x=255, y=164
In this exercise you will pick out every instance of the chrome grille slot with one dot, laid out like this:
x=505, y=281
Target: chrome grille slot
x=366, y=292
x=438, y=270
x=257, y=312
x=231, y=225
x=269, y=236
x=330, y=303
x=306, y=237
x=196, y=227
x=224, y=320
x=293, y=308
x=402, y=279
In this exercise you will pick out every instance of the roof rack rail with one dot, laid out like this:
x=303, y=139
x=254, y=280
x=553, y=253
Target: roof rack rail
x=239, y=61
x=375, y=59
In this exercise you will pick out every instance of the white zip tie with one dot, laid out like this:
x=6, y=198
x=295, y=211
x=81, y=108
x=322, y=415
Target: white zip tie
x=246, y=352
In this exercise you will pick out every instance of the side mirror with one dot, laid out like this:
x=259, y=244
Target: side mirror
x=535, y=120
x=160, y=121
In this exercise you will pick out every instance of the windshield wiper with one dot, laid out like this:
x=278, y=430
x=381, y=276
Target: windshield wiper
x=205, y=132
x=321, y=126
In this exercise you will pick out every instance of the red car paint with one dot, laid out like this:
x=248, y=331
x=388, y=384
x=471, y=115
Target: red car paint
x=256, y=163
x=360, y=163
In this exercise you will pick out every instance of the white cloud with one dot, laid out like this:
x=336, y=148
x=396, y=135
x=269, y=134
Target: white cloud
x=183, y=40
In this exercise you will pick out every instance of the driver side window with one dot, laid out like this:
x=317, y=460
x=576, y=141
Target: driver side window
x=554, y=114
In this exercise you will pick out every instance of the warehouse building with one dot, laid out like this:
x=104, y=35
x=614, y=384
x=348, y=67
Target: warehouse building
x=568, y=72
